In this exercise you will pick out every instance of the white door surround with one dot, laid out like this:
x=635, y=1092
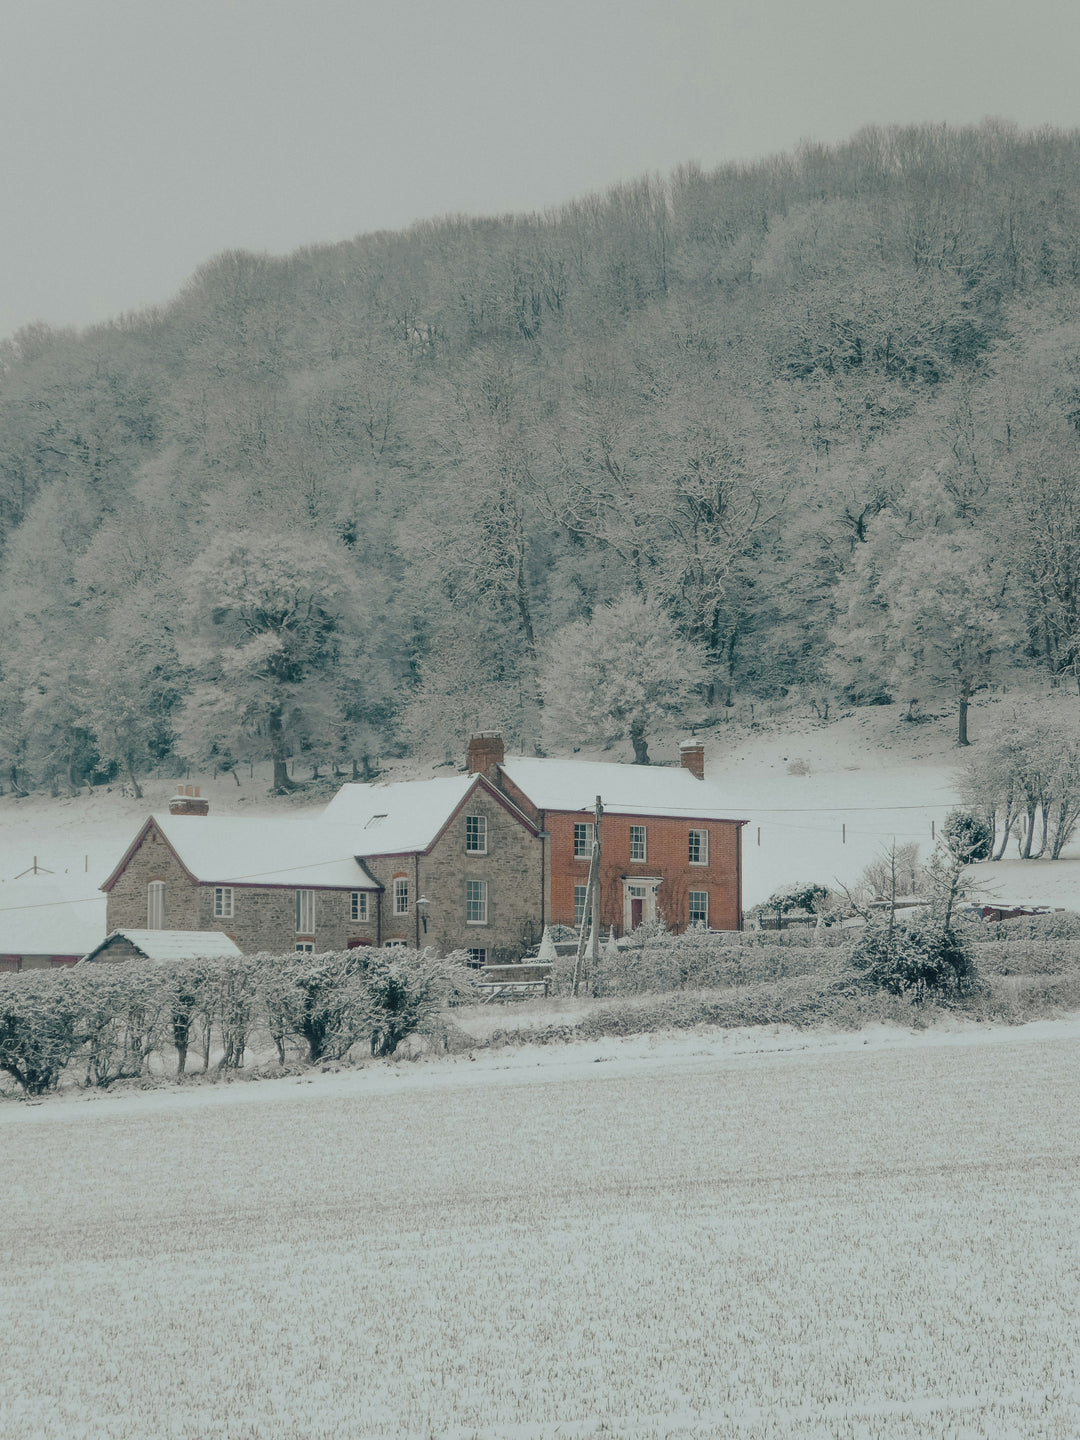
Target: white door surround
x=642, y=889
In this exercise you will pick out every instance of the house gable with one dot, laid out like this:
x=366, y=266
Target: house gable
x=150, y=833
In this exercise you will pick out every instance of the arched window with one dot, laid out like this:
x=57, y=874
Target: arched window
x=155, y=905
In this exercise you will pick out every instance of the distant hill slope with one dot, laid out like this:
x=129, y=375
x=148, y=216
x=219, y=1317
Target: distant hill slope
x=824, y=410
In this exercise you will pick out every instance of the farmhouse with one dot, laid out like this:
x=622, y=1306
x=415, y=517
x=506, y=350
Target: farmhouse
x=666, y=848
x=479, y=862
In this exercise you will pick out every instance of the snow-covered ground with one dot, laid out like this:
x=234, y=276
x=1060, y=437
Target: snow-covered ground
x=822, y=801
x=739, y=1233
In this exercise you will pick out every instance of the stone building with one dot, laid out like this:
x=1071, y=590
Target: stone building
x=479, y=862
x=451, y=863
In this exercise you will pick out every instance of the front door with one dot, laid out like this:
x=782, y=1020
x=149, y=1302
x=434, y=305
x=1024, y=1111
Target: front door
x=639, y=902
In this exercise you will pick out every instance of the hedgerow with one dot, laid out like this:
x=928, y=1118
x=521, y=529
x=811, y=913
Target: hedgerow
x=103, y=1022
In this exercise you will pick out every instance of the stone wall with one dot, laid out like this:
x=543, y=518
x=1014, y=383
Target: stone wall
x=513, y=872
x=264, y=917
x=126, y=908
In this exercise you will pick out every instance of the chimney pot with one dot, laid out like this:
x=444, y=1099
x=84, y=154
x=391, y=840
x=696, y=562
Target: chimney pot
x=485, y=755
x=692, y=757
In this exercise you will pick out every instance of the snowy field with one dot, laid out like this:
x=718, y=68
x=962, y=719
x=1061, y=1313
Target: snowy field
x=741, y=1234
x=822, y=802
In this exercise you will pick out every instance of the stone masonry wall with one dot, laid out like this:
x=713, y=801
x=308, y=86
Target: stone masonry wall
x=264, y=917
x=511, y=867
x=126, y=908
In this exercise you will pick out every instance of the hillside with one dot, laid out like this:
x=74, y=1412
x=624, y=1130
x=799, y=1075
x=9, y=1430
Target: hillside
x=817, y=417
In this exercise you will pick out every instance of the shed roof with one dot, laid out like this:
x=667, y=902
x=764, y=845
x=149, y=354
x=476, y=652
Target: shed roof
x=162, y=945
x=47, y=915
x=630, y=789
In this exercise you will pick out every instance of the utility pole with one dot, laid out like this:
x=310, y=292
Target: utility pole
x=592, y=904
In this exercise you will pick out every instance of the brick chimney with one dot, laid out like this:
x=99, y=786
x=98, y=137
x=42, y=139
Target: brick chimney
x=485, y=755
x=692, y=757
x=186, y=802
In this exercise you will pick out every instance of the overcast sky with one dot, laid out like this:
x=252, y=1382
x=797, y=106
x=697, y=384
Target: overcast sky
x=141, y=137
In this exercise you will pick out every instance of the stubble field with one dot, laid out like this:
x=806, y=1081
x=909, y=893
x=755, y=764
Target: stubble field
x=712, y=1235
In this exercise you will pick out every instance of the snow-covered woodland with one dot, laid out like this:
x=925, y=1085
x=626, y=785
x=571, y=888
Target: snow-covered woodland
x=806, y=425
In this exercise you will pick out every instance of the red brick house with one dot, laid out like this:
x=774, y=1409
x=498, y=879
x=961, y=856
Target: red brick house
x=667, y=849
x=479, y=862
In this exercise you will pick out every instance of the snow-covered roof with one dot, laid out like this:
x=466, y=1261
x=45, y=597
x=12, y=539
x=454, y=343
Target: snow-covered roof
x=396, y=819
x=173, y=944
x=631, y=789
x=245, y=850
x=49, y=915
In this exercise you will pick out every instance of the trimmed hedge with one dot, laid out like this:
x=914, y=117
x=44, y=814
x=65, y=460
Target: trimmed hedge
x=102, y=1022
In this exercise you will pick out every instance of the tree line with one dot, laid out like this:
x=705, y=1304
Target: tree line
x=816, y=418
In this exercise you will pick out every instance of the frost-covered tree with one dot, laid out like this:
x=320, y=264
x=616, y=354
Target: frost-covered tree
x=131, y=688
x=618, y=676
x=1025, y=780
x=923, y=611
x=273, y=620
x=470, y=682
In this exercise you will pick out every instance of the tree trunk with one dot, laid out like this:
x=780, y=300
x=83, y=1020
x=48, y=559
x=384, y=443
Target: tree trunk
x=282, y=780
x=1029, y=831
x=1045, y=824
x=965, y=696
x=641, y=747
x=134, y=783
x=1006, y=829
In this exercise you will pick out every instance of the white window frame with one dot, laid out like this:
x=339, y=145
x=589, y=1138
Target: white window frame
x=479, y=824
x=305, y=947
x=358, y=905
x=477, y=957
x=584, y=837
x=155, y=905
x=476, y=902
x=699, y=918
x=395, y=944
x=702, y=847
x=401, y=894
x=639, y=836
x=580, y=895
x=223, y=902
x=305, y=910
